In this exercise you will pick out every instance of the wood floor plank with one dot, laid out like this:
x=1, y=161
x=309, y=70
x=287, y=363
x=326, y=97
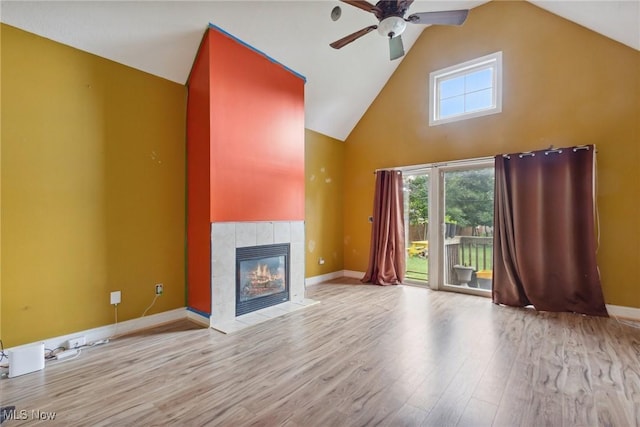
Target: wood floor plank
x=407, y=416
x=504, y=336
x=367, y=355
x=607, y=344
x=578, y=404
x=455, y=397
x=517, y=406
x=478, y=413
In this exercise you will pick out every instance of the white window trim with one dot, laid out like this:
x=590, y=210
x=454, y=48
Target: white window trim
x=494, y=60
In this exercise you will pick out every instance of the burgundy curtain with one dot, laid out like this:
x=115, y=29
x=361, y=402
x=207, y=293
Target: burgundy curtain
x=386, y=256
x=544, y=240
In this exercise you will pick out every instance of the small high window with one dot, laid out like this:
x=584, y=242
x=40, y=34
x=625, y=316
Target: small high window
x=463, y=91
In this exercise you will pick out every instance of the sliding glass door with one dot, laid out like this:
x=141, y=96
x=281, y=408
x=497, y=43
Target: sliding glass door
x=449, y=226
x=468, y=228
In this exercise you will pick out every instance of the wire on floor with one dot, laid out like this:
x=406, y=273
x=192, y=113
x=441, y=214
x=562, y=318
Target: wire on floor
x=2, y=353
x=73, y=357
x=50, y=354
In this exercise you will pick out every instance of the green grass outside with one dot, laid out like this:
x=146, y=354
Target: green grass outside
x=417, y=268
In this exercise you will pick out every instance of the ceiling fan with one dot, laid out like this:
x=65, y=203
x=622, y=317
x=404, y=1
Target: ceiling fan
x=392, y=23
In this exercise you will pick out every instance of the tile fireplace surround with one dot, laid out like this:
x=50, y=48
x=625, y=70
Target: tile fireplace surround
x=225, y=238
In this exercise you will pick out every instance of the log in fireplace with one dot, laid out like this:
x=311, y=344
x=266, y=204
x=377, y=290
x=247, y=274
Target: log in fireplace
x=262, y=277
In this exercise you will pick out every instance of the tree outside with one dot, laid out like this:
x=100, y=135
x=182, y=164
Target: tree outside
x=418, y=188
x=468, y=196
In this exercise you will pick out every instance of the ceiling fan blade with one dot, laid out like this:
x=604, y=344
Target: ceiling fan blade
x=351, y=37
x=364, y=5
x=396, y=50
x=403, y=5
x=448, y=17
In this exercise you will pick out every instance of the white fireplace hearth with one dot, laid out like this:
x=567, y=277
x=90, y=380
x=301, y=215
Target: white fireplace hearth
x=225, y=238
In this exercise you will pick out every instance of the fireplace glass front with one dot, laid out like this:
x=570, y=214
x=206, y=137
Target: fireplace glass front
x=262, y=277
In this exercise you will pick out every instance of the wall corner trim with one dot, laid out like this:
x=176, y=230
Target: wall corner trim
x=197, y=317
x=354, y=274
x=258, y=51
x=310, y=281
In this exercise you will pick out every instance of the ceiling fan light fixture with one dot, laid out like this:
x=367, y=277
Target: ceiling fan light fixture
x=392, y=23
x=392, y=26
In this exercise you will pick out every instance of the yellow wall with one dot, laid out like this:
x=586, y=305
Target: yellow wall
x=563, y=85
x=93, y=189
x=323, y=203
x=0, y=180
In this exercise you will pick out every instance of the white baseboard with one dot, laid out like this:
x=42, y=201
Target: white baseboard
x=353, y=274
x=310, y=281
x=113, y=330
x=631, y=313
x=340, y=273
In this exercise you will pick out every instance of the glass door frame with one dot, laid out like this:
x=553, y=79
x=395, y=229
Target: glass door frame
x=436, y=260
x=437, y=210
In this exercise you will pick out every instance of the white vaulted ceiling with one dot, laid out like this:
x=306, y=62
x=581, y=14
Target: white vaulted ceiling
x=162, y=37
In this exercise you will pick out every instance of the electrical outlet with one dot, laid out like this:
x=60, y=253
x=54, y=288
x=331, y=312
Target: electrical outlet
x=159, y=288
x=320, y=260
x=76, y=342
x=115, y=297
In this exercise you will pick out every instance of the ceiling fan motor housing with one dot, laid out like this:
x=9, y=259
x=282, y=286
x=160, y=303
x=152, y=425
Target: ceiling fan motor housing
x=392, y=26
x=391, y=22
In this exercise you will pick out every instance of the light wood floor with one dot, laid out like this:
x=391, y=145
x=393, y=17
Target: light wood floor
x=366, y=355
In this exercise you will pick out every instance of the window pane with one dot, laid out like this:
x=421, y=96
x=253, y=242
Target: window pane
x=452, y=87
x=452, y=106
x=479, y=80
x=479, y=100
x=470, y=89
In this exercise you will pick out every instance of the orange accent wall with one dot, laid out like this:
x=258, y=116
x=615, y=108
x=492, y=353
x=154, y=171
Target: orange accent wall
x=198, y=151
x=245, y=149
x=257, y=135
